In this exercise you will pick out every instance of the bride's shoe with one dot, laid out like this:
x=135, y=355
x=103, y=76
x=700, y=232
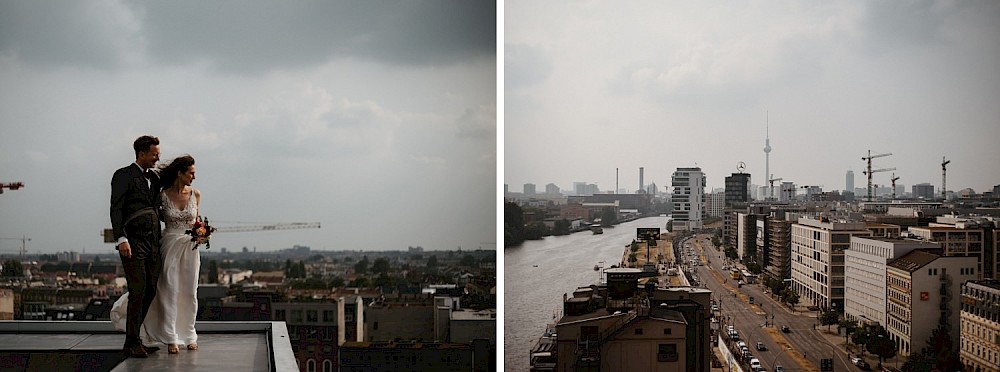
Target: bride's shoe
x=193, y=347
x=172, y=349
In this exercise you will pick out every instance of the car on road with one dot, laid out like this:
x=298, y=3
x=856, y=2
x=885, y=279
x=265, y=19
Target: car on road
x=779, y=368
x=785, y=329
x=754, y=364
x=861, y=363
x=761, y=347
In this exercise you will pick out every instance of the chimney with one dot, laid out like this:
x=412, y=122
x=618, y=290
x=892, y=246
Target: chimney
x=640, y=180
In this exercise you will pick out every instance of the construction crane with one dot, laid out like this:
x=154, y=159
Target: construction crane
x=24, y=241
x=109, y=234
x=870, y=171
x=770, y=187
x=12, y=186
x=944, y=178
x=894, y=178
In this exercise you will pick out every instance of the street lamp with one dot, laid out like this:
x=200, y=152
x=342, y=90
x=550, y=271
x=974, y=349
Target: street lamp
x=775, y=360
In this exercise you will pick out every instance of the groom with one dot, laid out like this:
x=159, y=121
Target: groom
x=135, y=218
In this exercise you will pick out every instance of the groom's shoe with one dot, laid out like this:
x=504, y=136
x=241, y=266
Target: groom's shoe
x=150, y=349
x=135, y=351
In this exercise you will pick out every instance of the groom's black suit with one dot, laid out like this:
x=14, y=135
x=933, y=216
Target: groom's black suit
x=135, y=214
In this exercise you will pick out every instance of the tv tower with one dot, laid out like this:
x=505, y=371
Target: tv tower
x=767, y=150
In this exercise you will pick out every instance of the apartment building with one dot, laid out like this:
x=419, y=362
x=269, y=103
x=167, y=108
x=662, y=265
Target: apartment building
x=923, y=291
x=956, y=240
x=980, y=325
x=865, y=274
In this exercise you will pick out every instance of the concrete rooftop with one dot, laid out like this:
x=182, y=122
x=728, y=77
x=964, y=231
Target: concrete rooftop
x=95, y=346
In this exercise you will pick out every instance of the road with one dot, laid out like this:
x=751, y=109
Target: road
x=807, y=345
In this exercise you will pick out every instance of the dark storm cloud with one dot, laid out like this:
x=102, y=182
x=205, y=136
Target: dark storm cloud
x=261, y=36
x=86, y=34
x=246, y=36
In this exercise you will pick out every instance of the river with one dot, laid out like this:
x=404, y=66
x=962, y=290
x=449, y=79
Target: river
x=538, y=272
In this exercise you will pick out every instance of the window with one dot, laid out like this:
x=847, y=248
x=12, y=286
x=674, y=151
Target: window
x=279, y=315
x=667, y=331
x=328, y=316
x=638, y=331
x=312, y=316
x=667, y=353
x=310, y=365
x=297, y=315
x=327, y=366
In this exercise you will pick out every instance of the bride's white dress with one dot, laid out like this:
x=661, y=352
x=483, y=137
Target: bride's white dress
x=172, y=314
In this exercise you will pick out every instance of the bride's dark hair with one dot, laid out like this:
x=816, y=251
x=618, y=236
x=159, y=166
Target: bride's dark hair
x=169, y=173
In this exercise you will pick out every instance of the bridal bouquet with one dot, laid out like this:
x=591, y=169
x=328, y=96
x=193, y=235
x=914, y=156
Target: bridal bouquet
x=200, y=232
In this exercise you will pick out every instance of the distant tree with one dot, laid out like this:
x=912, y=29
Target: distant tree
x=561, y=227
x=849, y=327
x=920, y=362
x=432, y=262
x=828, y=317
x=879, y=343
x=381, y=266
x=790, y=297
x=302, y=269
x=316, y=258
x=634, y=247
x=213, y=272
x=360, y=282
x=362, y=266
x=336, y=282
x=632, y=258
x=12, y=268
x=513, y=224
x=716, y=241
x=469, y=260
x=941, y=348
x=536, y=230
x=608, y=217
x=860, y=337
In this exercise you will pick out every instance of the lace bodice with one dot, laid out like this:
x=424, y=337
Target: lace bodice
x=179, y=219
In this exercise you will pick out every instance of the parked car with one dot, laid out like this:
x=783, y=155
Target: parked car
x=779, y=368
x=785, y=329
x=754, y=364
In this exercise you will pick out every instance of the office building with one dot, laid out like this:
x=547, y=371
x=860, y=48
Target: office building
x=960, y=240
x=865, y=278
x=714, y=204
x=688, y=198
x=737, y=189
x=849, y=186
x=980, y=325
x=817, y=268
x=529, y=189
x=551, y=189
x=924, y=291
x=923, y=191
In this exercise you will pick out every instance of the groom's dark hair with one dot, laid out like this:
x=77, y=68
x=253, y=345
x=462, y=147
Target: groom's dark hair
x=143, y=144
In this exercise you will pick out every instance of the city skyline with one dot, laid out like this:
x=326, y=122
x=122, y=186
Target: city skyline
x=376, y=120
x=593, y=87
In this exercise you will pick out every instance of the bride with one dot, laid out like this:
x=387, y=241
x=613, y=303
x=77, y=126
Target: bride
x=172, y=315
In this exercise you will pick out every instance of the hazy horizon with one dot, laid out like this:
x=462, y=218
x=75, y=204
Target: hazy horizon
x=377, y=120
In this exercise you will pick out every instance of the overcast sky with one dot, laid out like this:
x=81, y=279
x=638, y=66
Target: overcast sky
x=591, y=86
x=376, y=119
